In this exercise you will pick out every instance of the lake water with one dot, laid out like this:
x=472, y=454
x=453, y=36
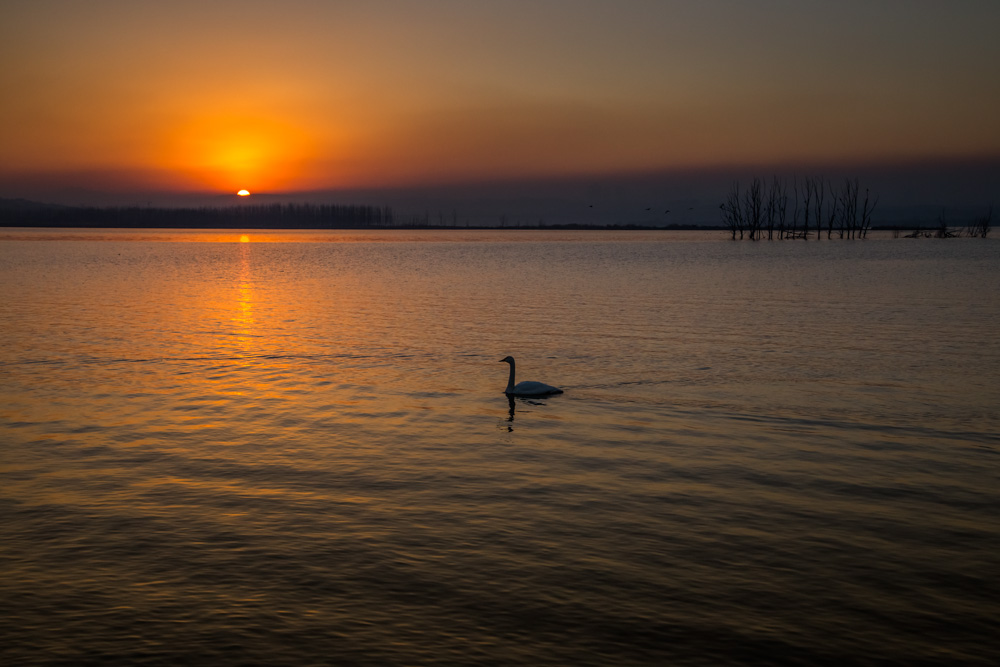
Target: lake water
x=295, y=449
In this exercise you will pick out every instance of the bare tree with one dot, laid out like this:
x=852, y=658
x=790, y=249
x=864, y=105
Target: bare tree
x=732, y=211
x=866, y=214
x=795, y=207
x=807, y=194
x=819, y=192
x=782, y=204
x=981, y=226
x=771, y=206
x=834, y=213
x=753, y=208
x=942, y=231
x=848, y=208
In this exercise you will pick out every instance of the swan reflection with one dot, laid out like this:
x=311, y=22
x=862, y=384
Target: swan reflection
x=511, y=407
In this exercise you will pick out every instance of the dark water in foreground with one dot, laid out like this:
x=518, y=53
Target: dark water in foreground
x=294, y=450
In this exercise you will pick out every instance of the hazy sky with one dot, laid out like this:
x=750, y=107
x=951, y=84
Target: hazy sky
x=299, y=94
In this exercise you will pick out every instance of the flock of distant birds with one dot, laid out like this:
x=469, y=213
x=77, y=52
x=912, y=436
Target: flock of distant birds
x=650, y=208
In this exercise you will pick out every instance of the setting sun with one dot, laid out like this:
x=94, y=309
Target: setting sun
x=224, y=149
x=243, y=193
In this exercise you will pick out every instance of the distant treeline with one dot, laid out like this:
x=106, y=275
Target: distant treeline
x=250, y=216
x=22, y=213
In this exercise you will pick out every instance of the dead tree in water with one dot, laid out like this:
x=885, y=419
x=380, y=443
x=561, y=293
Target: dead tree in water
x=732, y=211
x=833, y=213
x=795, y=210
x=819, y=190
x=753, y=208
x=771, y=208
x=849, y=208
x=776, y=207
x=764, y=205
x=981, y=226
x=866, y=214
x=782, y=203
x=807, y=194
x=942, y=231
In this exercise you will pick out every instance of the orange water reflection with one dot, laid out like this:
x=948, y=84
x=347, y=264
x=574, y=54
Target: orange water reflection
x=243, y=318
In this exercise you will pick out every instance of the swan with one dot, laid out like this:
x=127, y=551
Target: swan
x=526, y=388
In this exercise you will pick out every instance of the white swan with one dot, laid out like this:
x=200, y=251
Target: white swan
x=526, y=388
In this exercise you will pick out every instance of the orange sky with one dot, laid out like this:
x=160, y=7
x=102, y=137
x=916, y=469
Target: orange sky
x=304, y=95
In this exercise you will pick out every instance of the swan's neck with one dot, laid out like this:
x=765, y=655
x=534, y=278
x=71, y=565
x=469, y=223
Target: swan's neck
x=510, y=381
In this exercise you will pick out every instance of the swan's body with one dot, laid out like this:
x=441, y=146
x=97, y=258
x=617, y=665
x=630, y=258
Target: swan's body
x=526, y=388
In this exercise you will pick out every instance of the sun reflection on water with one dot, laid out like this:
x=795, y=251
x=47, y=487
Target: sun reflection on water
x=243, y=317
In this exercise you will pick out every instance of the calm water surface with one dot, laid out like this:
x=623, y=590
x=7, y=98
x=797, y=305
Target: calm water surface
x=295, y=449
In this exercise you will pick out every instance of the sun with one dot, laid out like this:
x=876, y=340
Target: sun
x=243, y=193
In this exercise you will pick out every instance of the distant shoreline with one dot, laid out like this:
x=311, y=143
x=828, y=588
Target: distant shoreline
x=36, y=215
x=4, y=224
x=25, y=214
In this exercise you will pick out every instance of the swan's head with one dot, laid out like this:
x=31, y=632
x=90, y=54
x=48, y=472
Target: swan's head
x=507, y=360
